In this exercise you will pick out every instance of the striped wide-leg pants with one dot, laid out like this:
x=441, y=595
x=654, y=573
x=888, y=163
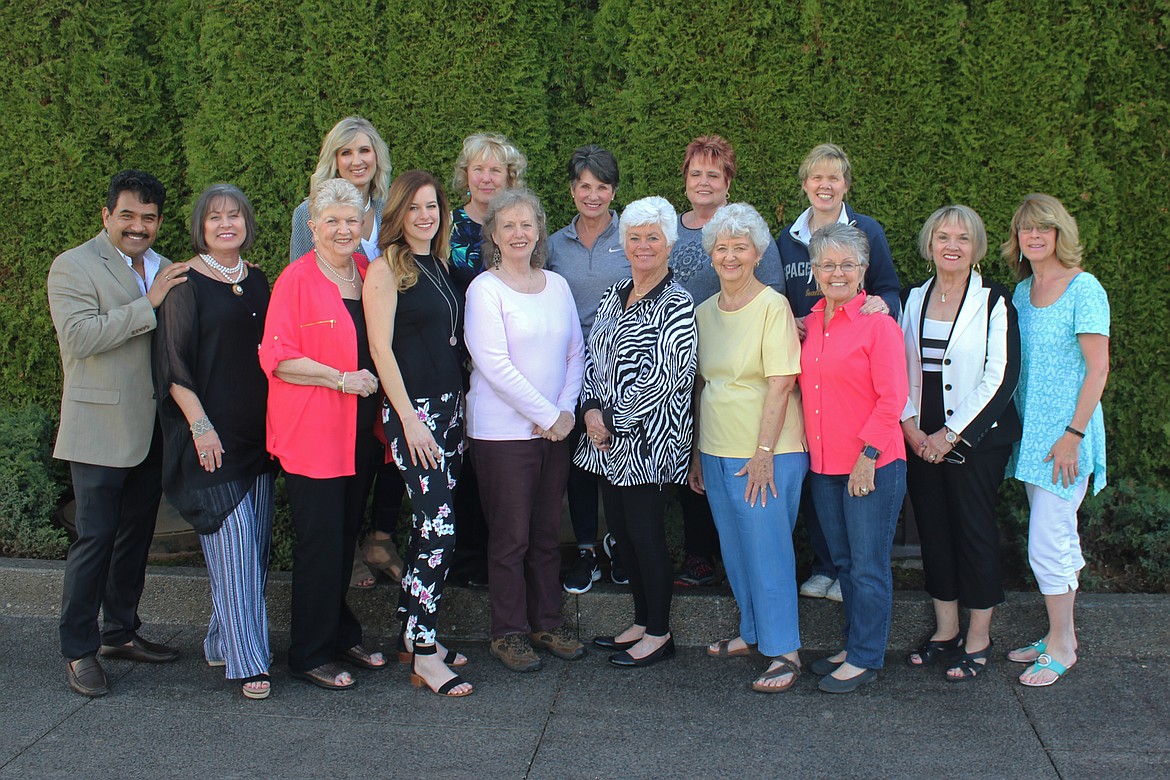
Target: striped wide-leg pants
x=237, y=566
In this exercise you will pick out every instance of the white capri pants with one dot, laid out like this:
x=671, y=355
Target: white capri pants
x=1054, y=546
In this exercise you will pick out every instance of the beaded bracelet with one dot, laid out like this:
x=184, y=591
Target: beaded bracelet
x=201, y=427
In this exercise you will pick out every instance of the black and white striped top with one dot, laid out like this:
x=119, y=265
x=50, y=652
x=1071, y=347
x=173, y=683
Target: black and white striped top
x=935, y=334
x=640, y=371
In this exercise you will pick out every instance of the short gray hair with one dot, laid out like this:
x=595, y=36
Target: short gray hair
x=839, y=236
x=654, y=210
x=737, y=219
x=510, y=199
x=334, y=192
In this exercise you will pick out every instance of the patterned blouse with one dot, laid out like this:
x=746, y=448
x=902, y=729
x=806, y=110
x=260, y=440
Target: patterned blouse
x=640, y=371
x=466, y=236
x=1052, y=370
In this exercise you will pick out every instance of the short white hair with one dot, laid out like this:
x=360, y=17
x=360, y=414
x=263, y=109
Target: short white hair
x=734, y=220
x=654, y=210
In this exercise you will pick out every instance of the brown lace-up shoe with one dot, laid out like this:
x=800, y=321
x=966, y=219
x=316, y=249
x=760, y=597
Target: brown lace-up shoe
x=559, y=642
x=515, y=652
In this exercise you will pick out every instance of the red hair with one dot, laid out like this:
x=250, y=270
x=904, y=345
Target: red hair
x=717, y=148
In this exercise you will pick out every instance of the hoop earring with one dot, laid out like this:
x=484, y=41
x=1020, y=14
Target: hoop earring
x=977, y=269
x=496, y=258
x=930, y=266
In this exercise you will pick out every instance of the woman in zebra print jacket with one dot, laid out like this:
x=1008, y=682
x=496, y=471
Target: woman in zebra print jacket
x=636, y=399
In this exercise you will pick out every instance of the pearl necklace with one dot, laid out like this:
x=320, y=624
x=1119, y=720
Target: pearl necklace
x=351, y=281
x=236, y=271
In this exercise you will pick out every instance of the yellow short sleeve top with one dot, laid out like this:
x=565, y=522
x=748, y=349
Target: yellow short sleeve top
x=738, y=351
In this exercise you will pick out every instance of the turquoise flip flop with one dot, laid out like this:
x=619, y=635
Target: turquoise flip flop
x=1040, y=644
x=1045, y=661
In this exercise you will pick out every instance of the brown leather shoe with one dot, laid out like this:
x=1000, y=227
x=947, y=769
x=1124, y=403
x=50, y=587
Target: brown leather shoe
x=139, y=649
x=515, y=652
x=87, y=677
x=559, y=642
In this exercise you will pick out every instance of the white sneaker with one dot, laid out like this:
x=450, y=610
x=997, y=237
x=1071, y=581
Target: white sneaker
x=817, y=586
x=834, y=592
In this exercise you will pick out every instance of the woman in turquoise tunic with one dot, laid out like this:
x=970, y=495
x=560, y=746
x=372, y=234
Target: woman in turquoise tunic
x=1064, y=335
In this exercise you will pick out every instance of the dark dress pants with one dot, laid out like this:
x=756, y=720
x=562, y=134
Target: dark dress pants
x=106, y=566
x=327, y=515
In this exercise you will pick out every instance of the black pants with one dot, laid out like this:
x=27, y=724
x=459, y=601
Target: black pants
x=636, y=518
x=106, y=566
x=327, y=516
x=582, y=490
x=700, y=537
x=954, y=505
x=469, y=560
x=389, y=489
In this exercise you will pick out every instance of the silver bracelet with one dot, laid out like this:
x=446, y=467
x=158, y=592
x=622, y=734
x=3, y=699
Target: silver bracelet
x=201, y=426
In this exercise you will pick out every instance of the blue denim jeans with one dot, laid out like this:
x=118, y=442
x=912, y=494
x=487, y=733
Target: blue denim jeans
x=756, y=543
x=860, y=532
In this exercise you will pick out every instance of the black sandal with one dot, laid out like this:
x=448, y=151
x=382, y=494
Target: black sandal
x=932, y=651
x=418, y=681
x=967, y=664
x=405, y=656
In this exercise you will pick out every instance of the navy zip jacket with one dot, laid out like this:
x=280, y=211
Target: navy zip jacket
x=880, y=277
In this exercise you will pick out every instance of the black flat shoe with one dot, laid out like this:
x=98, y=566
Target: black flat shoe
x=627, y=661
x=833, y=685
x=611, y=643
x=823, y=666
x=143, y=650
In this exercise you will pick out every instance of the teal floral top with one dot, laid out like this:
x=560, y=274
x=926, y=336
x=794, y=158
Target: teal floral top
x=1052, y=370
x=466, y=236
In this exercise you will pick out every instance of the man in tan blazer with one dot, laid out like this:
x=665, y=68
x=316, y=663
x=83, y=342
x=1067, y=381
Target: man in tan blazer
x=103, y=295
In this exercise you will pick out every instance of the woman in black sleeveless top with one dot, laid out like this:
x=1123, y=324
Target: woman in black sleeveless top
x=414, y=315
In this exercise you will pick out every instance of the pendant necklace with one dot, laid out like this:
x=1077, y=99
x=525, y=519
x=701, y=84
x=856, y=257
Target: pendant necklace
x=944, y=293
x=452, y=303
x=351, y=281
x=236, y=271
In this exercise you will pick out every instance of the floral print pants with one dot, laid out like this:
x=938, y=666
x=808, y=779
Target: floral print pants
x=432, y=533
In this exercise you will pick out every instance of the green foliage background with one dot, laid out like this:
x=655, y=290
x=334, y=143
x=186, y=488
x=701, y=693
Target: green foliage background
x=978, y=103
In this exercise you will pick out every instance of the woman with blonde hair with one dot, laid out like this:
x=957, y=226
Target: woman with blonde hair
x=415, y=316
x=1064, y=338
x=487, y=164
x=353, y=150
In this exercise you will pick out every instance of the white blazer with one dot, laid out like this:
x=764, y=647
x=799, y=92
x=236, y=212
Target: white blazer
x=981, y=364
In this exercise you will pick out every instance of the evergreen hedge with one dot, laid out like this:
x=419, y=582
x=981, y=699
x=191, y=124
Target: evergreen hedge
x=978, y=103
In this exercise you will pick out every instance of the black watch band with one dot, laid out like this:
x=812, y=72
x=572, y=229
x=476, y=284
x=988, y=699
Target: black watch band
x=871, y=452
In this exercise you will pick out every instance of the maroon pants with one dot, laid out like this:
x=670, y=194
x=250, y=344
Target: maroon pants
x=521, y=485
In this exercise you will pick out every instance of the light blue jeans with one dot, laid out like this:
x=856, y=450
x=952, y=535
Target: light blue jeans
x=860, y=532
x=756, y=543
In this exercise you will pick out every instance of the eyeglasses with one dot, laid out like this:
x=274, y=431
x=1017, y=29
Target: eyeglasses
x=846, y=267
x=955, y=457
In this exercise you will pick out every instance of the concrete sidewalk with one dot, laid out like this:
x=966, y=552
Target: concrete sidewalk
x=689, y=717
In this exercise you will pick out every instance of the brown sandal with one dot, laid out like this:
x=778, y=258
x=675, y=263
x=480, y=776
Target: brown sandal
x=722, y=649
x=382, y=555
x=326, y=676
x=360, y=576
x=785, y=667
x=360, y=656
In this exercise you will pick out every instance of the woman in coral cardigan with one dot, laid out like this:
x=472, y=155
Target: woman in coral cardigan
x=322, y=408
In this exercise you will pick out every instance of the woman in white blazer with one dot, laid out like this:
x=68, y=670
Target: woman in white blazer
x=963, y=358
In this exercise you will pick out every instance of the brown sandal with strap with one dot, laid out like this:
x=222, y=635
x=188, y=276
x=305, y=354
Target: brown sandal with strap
x=785, y=667
x=722, y=649
x=382, y=555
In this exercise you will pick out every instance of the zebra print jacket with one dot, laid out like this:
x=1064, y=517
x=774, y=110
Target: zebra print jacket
x=640, y=371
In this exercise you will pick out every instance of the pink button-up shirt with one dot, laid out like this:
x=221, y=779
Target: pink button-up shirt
x=853, y=387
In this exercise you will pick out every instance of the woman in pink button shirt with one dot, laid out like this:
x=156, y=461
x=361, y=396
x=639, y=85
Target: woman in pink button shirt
x=853, y=389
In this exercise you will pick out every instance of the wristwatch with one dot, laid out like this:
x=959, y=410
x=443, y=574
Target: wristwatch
x=950, y=436
x=871, y=452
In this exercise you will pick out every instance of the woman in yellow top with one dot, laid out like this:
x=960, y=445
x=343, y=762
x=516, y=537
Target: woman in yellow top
x=750, y=456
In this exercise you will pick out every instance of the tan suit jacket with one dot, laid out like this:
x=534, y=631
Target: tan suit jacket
x=104, y=325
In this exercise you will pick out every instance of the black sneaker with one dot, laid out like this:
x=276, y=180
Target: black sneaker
x=616, y=572
x=695, y=571
x=583, y=573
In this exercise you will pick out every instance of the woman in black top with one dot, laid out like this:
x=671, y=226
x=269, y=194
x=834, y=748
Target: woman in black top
x=212, y=405
x=414, y=314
